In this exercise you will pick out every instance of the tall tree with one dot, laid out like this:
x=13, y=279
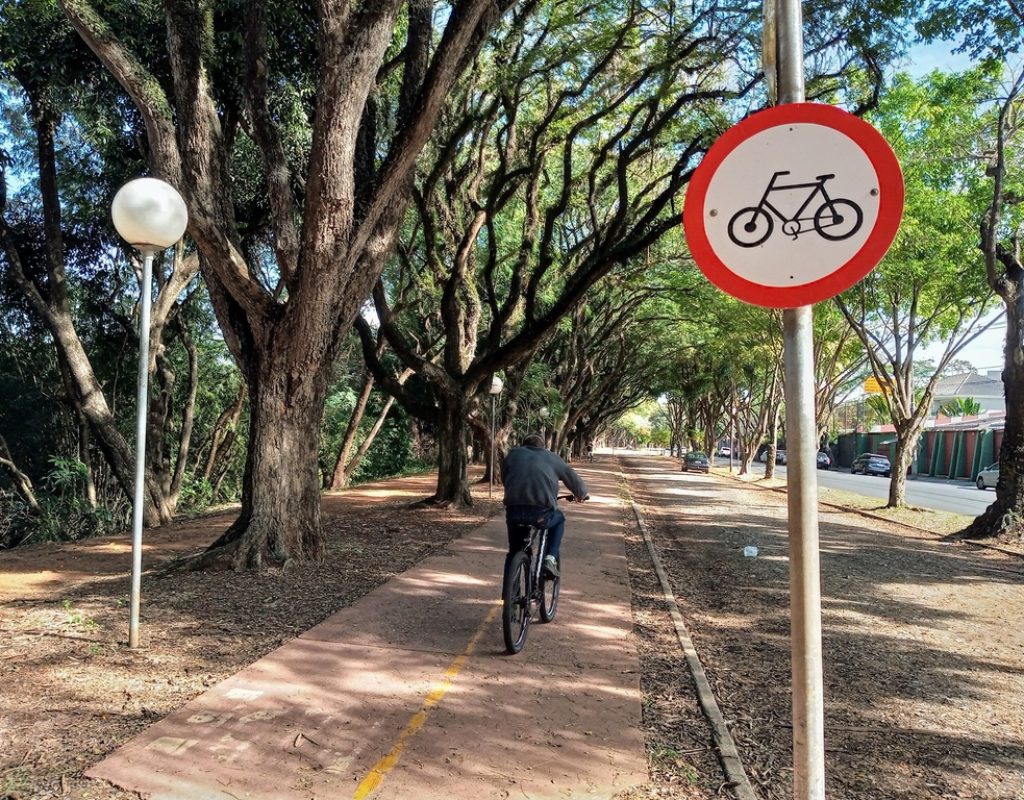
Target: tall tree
x=929, y=288
x=41, y=245
x=335, y=190
x=1000, y=242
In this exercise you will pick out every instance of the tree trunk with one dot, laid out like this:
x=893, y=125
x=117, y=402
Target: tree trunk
x=452, y=460
x=769, y=459
x=282, y=470
x=340, y=477
x=906, y=444
x=353, y=465
x=223, y=434
x=188, y=413
x=1005, y=517
x=280, y=519
x=85, y=456
x=20, y=480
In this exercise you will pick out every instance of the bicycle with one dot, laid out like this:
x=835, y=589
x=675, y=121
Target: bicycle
x=525, y=584
x=832, y=213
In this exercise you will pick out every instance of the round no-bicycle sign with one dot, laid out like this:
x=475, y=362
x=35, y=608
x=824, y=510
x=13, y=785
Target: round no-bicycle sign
x=793, y=205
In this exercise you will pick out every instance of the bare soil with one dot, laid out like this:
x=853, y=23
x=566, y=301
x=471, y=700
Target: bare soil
x=923, y=643
x=924, y=651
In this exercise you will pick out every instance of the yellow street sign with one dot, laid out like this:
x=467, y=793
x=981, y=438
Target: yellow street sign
x=872, y=386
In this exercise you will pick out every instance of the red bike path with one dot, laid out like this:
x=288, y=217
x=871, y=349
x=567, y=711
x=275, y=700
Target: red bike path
x=408, y=693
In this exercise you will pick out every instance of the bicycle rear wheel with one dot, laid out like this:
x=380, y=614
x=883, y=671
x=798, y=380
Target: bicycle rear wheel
x=515, y=601
x=750, y=226
x=549, y=594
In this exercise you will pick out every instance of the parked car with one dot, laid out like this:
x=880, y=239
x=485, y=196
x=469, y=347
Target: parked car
x=724, y=451
x=696, y=461
x=824, y=462
x=780, y=456
x=871, y=464
x=988, y=477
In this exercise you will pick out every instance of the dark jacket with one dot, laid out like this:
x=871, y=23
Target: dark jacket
x=531, y=476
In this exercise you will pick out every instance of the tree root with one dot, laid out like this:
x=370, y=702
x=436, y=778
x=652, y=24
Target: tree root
x=997, y=522
x=466, y=501
x=212, y=559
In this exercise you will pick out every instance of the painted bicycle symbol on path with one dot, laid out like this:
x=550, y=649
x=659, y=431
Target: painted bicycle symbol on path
x=834, y=219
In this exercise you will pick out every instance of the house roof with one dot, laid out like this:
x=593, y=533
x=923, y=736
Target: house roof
x=968, y=384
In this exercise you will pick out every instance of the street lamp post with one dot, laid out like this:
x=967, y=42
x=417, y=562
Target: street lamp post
x=496, y=386
x=543, y=414
x=150, y=215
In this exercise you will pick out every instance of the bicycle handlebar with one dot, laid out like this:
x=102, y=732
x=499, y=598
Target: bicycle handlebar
x=573, y=499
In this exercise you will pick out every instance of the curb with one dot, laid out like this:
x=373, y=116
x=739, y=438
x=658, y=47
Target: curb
x=728, y=754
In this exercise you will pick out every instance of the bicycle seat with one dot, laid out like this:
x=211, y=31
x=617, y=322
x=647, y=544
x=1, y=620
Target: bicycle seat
x=823, y=177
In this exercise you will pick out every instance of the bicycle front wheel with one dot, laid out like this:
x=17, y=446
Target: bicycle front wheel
x=749, y=227
x=549, y=594
x=838, y=219
x=515, y=601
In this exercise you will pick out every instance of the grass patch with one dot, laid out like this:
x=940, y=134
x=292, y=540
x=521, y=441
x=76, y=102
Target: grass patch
x=940, y=522
x=937, y=522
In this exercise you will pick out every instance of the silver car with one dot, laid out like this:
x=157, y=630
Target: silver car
x=988, y=477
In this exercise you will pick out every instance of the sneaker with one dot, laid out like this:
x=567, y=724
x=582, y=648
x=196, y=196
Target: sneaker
x=550, y=566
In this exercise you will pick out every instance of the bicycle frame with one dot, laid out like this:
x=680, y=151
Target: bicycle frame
x=816, y=186
x=539, y=537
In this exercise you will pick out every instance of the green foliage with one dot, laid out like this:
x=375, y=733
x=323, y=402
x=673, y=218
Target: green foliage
x=991, y=29
x=961, y=407
x=66, y=514
x=197, y=493
x=391, y=451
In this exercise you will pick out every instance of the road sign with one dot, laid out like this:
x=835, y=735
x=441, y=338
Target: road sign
x=872, y=386
x=793, y=205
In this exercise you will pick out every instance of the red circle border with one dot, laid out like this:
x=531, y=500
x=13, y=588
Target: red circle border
x=890, y=206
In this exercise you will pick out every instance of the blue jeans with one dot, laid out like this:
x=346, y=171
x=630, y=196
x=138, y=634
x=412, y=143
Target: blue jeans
x=520, y=518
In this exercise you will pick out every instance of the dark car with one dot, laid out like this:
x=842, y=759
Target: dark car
x=871, y=464
x=696, y=461
x=824, y=462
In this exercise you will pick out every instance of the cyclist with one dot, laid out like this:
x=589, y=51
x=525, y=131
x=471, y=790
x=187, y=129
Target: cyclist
x=531, y=474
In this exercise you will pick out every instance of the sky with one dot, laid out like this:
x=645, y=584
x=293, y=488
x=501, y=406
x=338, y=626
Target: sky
x=985, y=353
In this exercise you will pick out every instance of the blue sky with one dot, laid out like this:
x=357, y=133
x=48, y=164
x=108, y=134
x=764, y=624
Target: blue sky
x=939, y=55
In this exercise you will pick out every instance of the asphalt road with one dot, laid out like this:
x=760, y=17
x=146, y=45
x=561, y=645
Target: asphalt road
x=961, y=497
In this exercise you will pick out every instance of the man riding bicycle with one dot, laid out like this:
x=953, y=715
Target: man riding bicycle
x=531, y=474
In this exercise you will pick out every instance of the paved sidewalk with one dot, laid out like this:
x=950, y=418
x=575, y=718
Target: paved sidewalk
x=408, y=692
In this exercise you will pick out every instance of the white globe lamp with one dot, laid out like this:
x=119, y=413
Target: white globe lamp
x=150, y=215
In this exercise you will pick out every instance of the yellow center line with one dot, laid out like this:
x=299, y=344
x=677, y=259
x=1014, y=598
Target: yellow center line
x=376, y=775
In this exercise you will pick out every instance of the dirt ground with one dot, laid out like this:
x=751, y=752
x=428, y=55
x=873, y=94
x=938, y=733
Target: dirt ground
x=924, y=647
x=924, y=651
x=70, y=690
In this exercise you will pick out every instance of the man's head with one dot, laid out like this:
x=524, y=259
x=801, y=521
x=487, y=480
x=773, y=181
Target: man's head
x=534, y=440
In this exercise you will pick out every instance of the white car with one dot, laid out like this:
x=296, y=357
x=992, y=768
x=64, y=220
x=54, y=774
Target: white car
x=988, y=477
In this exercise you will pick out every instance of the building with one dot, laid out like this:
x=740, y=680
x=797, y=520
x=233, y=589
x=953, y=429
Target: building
x=987, y=389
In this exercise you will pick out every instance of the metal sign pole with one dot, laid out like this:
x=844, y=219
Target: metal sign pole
x=801, y=444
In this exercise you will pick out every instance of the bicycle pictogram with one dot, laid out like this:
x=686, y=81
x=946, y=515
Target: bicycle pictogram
x=834, y=219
